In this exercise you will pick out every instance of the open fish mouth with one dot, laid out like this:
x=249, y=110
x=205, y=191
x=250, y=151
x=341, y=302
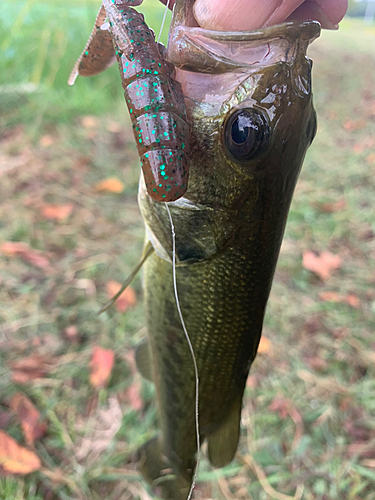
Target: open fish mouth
x=192, y=48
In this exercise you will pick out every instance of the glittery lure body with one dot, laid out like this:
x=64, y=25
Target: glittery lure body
x=154, y=99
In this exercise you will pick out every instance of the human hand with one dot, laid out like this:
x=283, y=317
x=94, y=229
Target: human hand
x=238, y=15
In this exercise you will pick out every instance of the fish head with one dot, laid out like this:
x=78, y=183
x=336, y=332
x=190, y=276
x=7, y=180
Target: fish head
x=248, y=99
x=251, y=118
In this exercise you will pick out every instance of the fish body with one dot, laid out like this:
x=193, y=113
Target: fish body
x=250, y=126
x=251, y=119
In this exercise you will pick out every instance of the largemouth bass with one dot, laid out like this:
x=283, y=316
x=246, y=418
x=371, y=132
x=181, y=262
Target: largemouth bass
x=251, y=119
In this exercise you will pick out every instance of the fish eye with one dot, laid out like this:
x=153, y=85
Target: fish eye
x=246, y=134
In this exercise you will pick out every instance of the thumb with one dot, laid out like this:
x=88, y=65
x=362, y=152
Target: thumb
x=242, y=15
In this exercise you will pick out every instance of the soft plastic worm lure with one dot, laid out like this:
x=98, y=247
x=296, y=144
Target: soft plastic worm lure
x=154, y=99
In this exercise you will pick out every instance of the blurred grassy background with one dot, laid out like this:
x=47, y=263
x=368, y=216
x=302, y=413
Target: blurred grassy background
x=309, y=415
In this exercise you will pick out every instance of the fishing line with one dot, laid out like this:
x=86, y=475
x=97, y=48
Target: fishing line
x=196, y=374
x=163, y=20
x=191, y=351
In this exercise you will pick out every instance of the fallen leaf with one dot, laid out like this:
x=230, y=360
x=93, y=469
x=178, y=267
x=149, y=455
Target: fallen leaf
x=57, y=212
x=330, y=297
x=102, y=362
x=15, y=459
x=12, y=248
x=127, y=299
x=252, y=381
x=46, y=140
x=4, y=419
x=31, y=368
x=349, y=299
x=321, y=264
x=71, y=334
x=264, y=345
x=335, y=206
x=133, y=395
x=317, y=363
x=89, y=121
x=110, y=185
x=20, y=249
x=32, y=426
x=98, y=429
x=281, y=406
x=354, y=125
x=352, y=300
x=371, y=159
x=114, y=127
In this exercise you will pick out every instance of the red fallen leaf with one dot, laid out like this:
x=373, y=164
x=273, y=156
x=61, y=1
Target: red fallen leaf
x=127, y=299
x=4, y=419
x=317, y=363
x=110, y=185
x=336, y=206
x=71, y=334
x=350, y=299
x=89, y=121
x=133, y=395
x=264, y=345
x=371, y=159
x=354, y=125
x=281, y=406
x=330, y=297
x=57, y=212
x=20, y=249
x=32, y=426
x=46, y=140
x=252, y=381
x=102, y=362
x=114, y=127
x=15, y=459
x=321, y=264
x=31, y=368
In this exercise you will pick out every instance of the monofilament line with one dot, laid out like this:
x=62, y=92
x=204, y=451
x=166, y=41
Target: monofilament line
x=191, y=351
x=163, y=20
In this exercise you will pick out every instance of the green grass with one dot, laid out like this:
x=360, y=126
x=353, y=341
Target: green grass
x=321, y=363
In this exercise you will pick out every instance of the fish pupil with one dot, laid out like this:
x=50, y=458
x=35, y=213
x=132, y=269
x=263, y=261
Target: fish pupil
x=247, y=133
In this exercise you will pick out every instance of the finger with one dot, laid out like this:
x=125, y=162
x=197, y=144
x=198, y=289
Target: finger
x=226, y=15
x=251, y=14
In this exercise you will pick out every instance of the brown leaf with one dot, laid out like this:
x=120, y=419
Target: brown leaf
x=354, y=125
x=330, y=297
x=371, y=159
x=20, y=249
x=32, y=426
x=321, y=264
x=31, y=368
x=349, y=299
x=110, y=185
x=46, y=140
x=57, y=212
x=114, y=127
x=281, y=406
x=127, y=299
x=71, y=334
x=133, y=395
x=15, y=459
x=89, y=121
x=4, y=419
x=264, y=345
x=335, y=206
x=352, y=300
x=102, y=362
x=12, y=248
